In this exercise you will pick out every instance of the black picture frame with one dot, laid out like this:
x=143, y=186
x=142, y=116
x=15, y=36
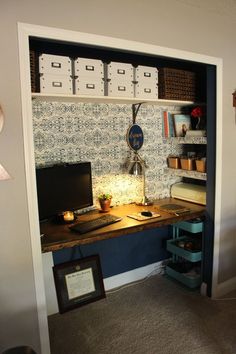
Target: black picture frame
x=78, y=282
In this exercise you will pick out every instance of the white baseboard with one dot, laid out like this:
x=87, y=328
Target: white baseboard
x=109, y=283
x=50, y=291
x=224, y=288
x=131, y=276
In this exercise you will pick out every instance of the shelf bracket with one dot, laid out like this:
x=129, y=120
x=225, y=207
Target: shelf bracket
x=135, y=109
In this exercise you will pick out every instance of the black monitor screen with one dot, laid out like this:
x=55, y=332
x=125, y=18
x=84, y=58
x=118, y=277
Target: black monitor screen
x=63, y=187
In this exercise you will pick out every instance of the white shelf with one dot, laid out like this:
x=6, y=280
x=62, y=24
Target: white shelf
x=186, y=173
x=188, y=140
x=106, y=99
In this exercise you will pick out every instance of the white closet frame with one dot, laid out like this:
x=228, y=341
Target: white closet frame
x=25, y=31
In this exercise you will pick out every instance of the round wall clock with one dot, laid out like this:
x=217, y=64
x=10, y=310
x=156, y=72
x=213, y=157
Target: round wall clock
x=134, y=137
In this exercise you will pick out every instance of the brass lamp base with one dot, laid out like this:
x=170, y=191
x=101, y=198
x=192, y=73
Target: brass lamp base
x=145, y=201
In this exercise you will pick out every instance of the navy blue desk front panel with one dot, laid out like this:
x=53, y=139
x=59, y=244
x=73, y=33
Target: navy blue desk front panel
x=122, y=254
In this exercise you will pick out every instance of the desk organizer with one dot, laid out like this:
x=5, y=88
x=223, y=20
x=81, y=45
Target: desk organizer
x=201, y=165
x=188, y=164
x=173, y=162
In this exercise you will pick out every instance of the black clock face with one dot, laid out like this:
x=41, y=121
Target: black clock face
x=135, y=137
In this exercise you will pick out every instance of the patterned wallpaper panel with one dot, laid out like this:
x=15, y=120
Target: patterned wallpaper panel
x=69, y=132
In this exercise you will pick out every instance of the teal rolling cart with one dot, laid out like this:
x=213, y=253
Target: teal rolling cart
x=186, y=250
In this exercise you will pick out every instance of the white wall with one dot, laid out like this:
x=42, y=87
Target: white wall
x=206, y=27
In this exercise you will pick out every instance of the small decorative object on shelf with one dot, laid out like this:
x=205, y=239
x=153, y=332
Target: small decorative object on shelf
x=197, y=113
x=182, y=123
x=105, y=201
x=195, y=133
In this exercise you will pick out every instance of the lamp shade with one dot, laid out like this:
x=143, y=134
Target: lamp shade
x=3, y=174
x=136, y=169
x=136, y=166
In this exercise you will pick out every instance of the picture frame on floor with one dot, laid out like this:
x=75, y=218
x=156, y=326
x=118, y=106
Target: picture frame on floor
x=78, y=282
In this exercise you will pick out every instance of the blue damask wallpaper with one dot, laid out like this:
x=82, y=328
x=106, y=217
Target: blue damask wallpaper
x=69, y=132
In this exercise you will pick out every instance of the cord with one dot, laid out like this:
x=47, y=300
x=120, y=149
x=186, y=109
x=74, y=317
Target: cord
x=162, y=268
x=73, y=252
x=136, y=281
x=80, y=252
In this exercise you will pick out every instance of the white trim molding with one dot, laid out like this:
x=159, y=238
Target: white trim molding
x=218, y=177
x=110, y=283
x=134, y=275
x=25, y=31
x=224, y=288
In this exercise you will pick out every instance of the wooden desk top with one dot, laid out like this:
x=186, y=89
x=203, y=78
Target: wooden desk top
x=58, y=236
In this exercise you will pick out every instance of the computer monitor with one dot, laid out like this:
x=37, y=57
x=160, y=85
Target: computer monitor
x=63, y=187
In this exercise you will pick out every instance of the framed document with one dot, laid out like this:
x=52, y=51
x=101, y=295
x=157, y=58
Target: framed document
x=78, y=282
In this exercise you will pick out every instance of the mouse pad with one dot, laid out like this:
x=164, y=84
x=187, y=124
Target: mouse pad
x=174, y=208
x=139, y=217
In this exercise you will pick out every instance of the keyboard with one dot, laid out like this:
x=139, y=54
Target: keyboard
x=95, y=223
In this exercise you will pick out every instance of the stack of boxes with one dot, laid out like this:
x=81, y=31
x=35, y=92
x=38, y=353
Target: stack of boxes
x=83, y=76
x=120, y=77
x=146, y=82
x=89, y=77
x=55, y=74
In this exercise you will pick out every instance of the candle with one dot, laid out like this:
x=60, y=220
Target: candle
x=68, y=216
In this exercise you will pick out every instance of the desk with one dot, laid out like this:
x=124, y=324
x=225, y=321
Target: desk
x=59, y=236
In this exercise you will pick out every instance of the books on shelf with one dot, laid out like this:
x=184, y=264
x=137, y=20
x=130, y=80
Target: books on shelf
x=176, y=124
x=168, y=125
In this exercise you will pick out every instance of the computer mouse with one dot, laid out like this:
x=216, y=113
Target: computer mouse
x=146, y=213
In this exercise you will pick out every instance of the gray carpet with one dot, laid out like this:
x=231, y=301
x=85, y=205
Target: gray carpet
x=157, y=316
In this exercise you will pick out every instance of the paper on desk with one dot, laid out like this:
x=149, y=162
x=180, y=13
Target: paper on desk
x=140, y=217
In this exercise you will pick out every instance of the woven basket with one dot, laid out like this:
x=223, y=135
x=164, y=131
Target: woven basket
x=175, y=84
x=33, y=70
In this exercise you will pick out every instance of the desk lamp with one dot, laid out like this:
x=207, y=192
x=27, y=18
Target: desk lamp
x=135, y=139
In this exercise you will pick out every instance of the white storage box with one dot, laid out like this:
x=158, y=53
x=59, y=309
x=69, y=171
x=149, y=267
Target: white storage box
x=120, y=89
x=89, y=68
x=56, y=84
x=55, y=65
x=146, y=74
x=190, y=192
x=89, y=87
x=120, y=72
x=146, y=90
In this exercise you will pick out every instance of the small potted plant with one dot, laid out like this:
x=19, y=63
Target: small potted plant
x=105, y=201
